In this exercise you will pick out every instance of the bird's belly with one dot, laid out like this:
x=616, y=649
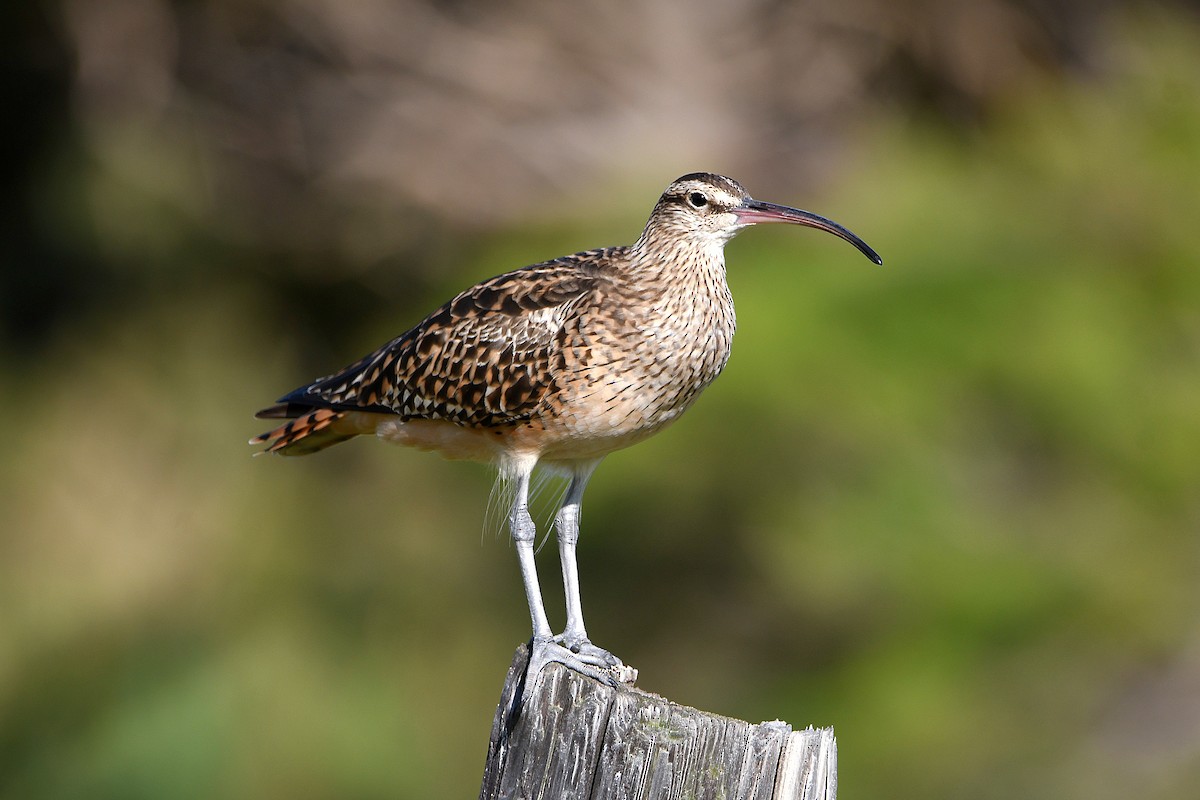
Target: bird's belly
x=572, y=436
x=607, y=408
x=451, y=440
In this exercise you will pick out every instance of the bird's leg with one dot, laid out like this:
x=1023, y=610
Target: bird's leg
x=574, y=637
x=524, y=532
x=566, y=527
x=572, y=648
x=543, y=649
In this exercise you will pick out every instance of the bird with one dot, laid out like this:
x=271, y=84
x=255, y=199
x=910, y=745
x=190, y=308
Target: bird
x=555, y=365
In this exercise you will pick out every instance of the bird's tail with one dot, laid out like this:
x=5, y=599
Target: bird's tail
x=308, y=429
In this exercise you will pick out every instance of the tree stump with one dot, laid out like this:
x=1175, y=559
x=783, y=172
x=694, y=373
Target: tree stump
x=575, y=737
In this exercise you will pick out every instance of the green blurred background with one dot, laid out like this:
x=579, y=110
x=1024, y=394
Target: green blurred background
x=948, y=506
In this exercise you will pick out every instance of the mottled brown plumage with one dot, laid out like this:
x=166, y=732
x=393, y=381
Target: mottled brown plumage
x=489, y=357
x=558, y=363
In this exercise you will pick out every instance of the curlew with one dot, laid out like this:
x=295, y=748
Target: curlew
x=555, y=365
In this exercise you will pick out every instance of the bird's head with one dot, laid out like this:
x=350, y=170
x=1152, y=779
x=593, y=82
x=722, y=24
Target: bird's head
x=704, y=208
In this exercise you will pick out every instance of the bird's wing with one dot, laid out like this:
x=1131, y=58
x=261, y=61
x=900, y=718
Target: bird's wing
x=488, y=357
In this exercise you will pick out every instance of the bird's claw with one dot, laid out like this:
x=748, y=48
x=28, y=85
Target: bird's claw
x=594, y=662
x=579, y=654
x=589, y=653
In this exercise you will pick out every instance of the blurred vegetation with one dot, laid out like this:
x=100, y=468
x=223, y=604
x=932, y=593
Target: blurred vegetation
x=948, y=506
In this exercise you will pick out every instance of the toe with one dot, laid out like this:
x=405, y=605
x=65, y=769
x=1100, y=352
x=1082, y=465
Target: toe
x=591, y=654
x=584, y=657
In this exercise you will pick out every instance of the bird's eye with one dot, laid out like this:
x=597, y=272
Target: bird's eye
x=697, y=200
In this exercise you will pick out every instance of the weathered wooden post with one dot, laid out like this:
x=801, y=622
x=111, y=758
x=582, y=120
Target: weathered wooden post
x=576, y=737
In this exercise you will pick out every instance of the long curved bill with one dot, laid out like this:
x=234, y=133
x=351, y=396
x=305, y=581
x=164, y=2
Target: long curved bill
x=752, y=212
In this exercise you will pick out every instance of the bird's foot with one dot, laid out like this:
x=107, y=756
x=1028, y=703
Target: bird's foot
x=589, y=653
x=577, y=653
x=582, y=656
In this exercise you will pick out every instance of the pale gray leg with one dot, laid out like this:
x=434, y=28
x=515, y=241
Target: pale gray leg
x=579, y=654
x=566, y=525
x=524, y=532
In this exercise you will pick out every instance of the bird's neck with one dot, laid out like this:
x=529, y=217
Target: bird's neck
x=692, y=265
